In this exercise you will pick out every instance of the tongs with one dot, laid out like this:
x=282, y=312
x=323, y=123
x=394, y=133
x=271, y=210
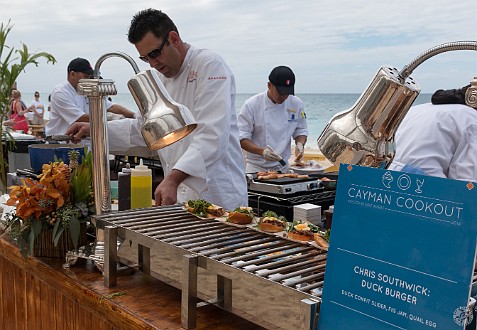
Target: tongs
x=59, y=138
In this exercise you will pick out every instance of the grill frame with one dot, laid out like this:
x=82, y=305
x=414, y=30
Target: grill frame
x=234, y=267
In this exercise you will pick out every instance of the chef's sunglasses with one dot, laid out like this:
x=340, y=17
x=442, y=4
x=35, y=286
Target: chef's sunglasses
x=156, y=52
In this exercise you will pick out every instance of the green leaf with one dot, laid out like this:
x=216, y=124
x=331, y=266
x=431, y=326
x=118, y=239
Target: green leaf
x=13, y=62
x=58, y=232
x=74, y=231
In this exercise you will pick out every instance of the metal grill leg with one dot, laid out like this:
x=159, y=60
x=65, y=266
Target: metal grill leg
x=110, y=255
x=224, y=292
x=310, y=314
x=189, y=291
x=144, y=259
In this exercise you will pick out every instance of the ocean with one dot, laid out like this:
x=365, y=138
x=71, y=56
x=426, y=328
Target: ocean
x=319, y=108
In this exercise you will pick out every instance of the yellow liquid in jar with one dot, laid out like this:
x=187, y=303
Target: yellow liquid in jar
x=141, y=191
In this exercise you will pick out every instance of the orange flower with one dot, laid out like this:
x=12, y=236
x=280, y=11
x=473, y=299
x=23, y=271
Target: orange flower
x=34, y=199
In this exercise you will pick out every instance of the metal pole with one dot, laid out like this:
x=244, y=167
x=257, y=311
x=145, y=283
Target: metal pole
x=96, y=90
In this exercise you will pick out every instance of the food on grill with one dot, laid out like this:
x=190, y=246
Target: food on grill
x=322, y=238
x=271, y=222
x=299, y=163
x=300, y=231
x=204, y=209
x=275, y=175
x=241, y=215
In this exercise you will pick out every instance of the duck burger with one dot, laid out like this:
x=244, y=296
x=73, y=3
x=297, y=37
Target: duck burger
x=300, y=231
x=241, y=215
x=271, y=222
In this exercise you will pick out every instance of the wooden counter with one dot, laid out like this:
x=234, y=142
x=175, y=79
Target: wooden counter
x=40, y=294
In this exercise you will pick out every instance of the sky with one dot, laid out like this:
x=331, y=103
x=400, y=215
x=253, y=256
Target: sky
x=333, y=46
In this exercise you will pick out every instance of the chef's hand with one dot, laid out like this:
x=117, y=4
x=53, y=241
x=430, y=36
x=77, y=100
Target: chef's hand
x=166, y=191
x=299, y=151
x=270, y=155
x=78, y=130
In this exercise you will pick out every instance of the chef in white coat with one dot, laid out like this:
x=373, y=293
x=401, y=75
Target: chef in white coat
x=439, y=138
x=270, y=120
x=208, y=163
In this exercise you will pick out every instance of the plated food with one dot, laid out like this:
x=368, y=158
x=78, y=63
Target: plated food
x=205, y=209
x=241, y=215
x=300, y=231
x=322, y=238
x=271, y=222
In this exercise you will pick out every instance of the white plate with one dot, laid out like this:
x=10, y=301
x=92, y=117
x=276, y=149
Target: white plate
x=315, y=169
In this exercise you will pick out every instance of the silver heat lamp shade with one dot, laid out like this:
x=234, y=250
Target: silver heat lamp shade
x=165, y=121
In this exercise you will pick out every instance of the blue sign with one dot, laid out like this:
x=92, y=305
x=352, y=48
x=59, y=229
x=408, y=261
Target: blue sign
x=402, y=252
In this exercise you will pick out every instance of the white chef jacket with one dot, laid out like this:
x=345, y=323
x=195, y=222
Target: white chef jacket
x=439, y=139
x=67, y=106
x=211, y=154
x=266, y=123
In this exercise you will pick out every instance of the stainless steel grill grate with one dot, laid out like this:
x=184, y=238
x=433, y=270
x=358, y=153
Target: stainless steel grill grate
x=290, y=269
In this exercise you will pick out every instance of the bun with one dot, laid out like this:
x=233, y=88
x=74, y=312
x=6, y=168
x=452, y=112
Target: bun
x=298, y=237
x=320, y=241
x=215, y=211
x=239, y=218
x=270, y=227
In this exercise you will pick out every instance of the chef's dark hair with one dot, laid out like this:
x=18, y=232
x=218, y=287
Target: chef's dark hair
x=449, y=96
x=150, y=20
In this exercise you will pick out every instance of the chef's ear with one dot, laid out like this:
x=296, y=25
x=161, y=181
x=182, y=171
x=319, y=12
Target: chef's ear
x=174, y=38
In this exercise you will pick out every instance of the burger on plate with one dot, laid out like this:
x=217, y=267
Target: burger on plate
x=271, y=222
x=204, y=209
x=300, y=231
x=242, y=215
x=322, y=238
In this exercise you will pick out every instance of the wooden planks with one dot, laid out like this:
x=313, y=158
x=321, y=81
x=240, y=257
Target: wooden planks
x=40, y=294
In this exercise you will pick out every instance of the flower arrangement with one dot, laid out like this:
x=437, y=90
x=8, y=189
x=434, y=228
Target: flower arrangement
x=60, y=199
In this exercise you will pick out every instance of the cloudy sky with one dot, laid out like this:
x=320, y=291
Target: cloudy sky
x=333, y=46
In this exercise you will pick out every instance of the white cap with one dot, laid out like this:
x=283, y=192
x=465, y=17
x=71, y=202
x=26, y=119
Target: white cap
x=141, y=170
x=127, y=169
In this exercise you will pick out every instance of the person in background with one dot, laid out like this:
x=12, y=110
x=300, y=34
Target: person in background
x=38, y=110
x=67, y=106
x=268, y=121
x=206, y=164
x=18, y=110
x=439, y=138
x=46, y=115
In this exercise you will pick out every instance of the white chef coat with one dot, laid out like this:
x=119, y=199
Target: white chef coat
x=67, y=106
x=211, y=154
x=439, y=139
x=266, y=123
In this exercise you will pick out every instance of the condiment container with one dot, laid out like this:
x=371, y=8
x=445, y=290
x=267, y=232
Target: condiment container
x=141, y=186
x=124, y=188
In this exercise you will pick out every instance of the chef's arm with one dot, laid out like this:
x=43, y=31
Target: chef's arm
x=120, y=110
x=251, y=147
x=301, y=138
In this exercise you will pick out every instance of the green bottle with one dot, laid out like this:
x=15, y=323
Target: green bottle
x=141, y=186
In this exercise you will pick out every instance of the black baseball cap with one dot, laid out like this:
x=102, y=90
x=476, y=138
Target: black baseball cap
x=284, y=80
x=80, y=65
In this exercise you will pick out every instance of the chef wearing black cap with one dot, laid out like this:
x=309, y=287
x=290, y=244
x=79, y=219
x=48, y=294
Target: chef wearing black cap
x=268, y=121
x=67, y=106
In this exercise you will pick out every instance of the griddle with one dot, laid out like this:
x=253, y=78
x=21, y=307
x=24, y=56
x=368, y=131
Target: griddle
x=282, y=186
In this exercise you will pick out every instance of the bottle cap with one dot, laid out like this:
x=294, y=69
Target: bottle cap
x=141, y=170
x=127, y=169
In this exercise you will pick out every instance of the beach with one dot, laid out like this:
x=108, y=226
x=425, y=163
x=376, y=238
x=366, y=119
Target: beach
x=319, y=108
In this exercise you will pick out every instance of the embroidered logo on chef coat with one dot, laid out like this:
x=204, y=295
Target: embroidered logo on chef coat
x=292, y=115
x=192, y=76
